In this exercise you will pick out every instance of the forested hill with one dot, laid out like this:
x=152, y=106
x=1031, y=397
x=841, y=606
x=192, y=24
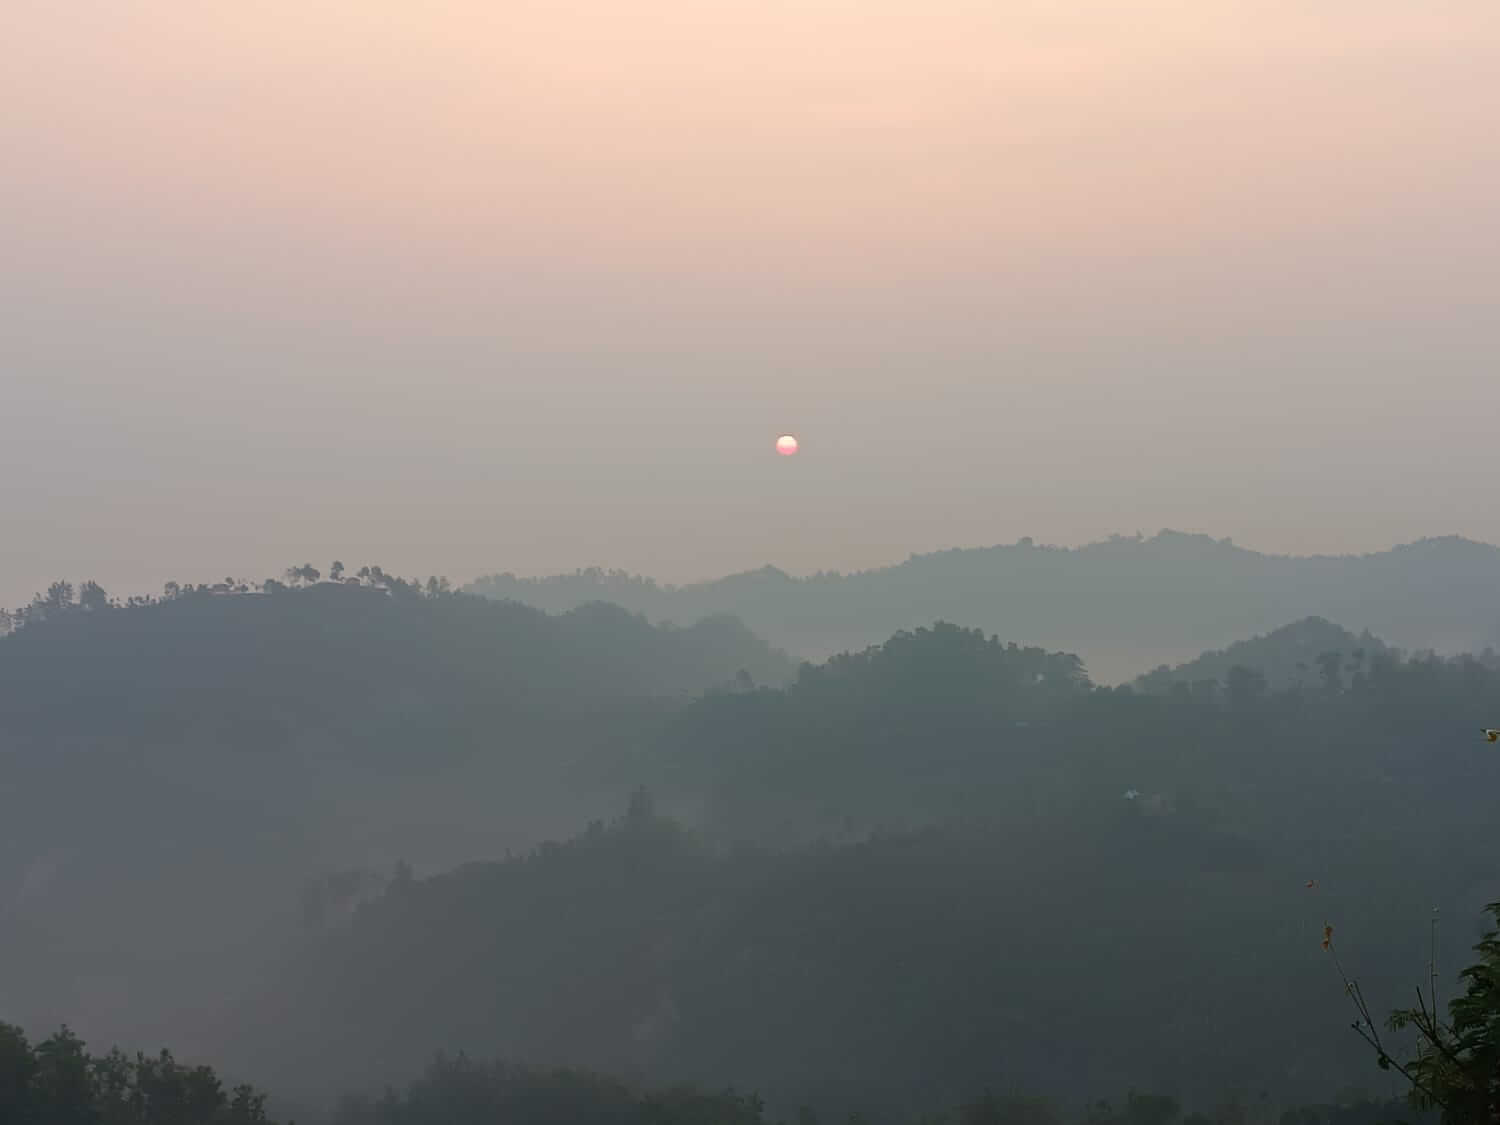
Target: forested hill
x=1309, y=654
x=1125, y=605
x=175, y=773
x=331, y=649
x=59, y=1081
x=943, y=863
x=951, y=863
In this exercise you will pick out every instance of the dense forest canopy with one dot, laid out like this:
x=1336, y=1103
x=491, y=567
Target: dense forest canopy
x=878, y=884
x=1124, y=605
x=181, y=770
x=1310, y=654
x=58, y=1081
x=930, y=814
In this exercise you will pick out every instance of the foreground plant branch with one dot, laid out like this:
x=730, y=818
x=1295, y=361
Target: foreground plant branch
x=1457, y=1068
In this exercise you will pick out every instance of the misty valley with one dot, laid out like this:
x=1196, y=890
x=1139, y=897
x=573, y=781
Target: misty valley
x=370, y=851
x=749, y=562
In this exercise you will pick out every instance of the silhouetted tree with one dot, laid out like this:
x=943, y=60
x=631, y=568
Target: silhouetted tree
x=18, y=1067
x=91, y=596
x=1013, y=1110
x=1330, y=664
x=401, y=878
x=62, y=1090
x=642, y=809
x=1246, y=686
x=59, y=597
x=1139, y=1109
x=1457, y=1065
x=58, y=1082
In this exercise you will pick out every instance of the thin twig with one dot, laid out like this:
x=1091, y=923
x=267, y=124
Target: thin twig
x=1372, y=1035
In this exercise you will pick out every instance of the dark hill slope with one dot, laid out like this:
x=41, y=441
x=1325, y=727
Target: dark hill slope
x=1043, y=930
x=171, y=775
x=1313, y=654
x=329, y=651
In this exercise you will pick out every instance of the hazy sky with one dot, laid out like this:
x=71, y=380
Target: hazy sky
x=483, y=285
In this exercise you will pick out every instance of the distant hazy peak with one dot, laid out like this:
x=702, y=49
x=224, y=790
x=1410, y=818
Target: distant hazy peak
x=1295, y=654
x=1125, y=603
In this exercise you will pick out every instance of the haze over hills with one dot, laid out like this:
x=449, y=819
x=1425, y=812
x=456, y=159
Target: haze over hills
x=1310, y=653
x=175, y=774
x=1047, y=886
x=886, y=880
x=885, y=833
x=1125, y=605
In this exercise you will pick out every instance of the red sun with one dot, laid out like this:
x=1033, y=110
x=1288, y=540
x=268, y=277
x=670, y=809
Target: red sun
x=786, y=445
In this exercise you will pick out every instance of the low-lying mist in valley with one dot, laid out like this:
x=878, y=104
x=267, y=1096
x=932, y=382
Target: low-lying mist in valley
x=317, y=833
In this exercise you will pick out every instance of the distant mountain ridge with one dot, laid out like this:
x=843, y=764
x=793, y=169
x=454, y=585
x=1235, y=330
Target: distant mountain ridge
x=1125, y=604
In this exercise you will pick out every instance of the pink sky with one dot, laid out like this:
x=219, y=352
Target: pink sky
x=477, y=286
